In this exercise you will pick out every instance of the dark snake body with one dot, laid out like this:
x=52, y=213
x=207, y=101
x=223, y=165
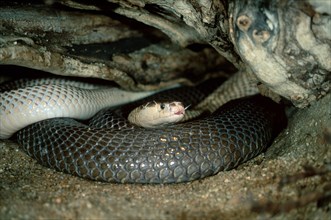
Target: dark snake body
x=235, y=133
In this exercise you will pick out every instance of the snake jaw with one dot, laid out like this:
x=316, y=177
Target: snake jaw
x=177, y=108
x=179, y=112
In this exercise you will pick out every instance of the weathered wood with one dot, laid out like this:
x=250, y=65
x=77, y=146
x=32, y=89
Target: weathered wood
x=80, y=43
x=285, y=44
x=276, y=41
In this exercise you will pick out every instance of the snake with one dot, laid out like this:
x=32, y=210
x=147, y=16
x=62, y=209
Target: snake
x=109, y=148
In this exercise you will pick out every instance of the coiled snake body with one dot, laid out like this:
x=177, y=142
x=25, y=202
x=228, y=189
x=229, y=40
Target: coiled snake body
x=235, y=133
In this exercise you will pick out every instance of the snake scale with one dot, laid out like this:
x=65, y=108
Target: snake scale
x=233, y=134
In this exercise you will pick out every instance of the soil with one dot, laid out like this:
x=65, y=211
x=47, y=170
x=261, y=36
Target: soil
x=291, y=180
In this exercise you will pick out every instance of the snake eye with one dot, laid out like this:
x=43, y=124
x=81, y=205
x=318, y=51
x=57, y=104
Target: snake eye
x=162, y=106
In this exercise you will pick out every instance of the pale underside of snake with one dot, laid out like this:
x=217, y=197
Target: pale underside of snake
x=113, y=150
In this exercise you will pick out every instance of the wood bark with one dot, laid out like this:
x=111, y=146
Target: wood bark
x=147, y=44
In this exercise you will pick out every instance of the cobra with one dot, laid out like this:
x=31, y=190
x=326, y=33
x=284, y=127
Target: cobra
x=113, y=150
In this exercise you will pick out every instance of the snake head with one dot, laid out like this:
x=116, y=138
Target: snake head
x=157, y=114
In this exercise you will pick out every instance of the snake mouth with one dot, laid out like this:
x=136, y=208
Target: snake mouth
x=177, y=108
x=179, y=112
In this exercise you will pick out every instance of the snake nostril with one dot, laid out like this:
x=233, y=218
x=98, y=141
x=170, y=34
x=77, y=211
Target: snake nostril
x=174, y=104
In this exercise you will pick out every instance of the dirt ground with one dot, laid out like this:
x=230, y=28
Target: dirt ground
x=259, y=189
